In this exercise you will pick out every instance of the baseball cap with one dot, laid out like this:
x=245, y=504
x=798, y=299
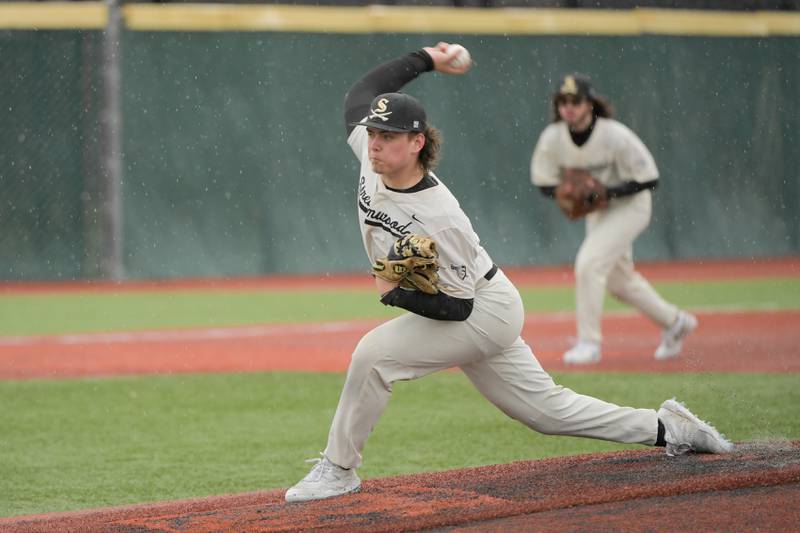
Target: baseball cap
x=397, y=112
x=576, y=85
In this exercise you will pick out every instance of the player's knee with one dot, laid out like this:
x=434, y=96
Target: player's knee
x=535, y=421
x=371, y=360
x=585, y=269
x=548, y=418
x=546, y=426
x=591, y=269
x=615, y=290
x=538, y=421
x=364, y=356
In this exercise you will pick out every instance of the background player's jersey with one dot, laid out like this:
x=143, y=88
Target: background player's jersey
x=613, y=155
x=385, y=215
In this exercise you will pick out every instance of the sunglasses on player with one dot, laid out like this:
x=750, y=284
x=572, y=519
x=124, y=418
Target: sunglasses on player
x=570, y=100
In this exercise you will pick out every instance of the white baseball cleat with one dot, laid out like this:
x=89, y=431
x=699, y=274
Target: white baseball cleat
x=583, y=353
x=325, y=480
x=672, y=337
x=685, y=432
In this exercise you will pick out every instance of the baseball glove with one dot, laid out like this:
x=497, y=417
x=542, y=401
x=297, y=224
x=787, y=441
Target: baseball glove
x=413, y=262
x=579, y=193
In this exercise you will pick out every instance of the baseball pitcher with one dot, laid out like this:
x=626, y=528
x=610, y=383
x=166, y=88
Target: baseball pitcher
x=462, y=310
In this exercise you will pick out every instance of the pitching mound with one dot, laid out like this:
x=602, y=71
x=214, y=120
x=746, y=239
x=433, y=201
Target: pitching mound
x=756, y=487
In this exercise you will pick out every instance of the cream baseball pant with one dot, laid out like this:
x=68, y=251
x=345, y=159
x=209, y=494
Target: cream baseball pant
x=488, y=348
x=605, y=261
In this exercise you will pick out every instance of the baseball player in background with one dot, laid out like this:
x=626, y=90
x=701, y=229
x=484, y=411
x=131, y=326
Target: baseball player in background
x=584, y=136
x=473, y=320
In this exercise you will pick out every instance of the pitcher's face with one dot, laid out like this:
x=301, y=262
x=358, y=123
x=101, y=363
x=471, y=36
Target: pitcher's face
x=391, y=152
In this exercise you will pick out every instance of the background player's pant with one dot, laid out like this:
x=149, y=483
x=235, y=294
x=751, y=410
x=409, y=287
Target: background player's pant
x=605, y=261
x=489, y=350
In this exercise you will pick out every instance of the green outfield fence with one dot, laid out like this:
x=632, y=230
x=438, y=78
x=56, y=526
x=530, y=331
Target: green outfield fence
x=233, y=154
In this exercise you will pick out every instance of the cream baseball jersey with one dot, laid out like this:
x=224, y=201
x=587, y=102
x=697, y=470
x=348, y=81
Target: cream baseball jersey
x=613, y=155
x=385, y=215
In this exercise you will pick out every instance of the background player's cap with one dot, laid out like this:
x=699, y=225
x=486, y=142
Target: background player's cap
x=395, y=112
x=576, y=85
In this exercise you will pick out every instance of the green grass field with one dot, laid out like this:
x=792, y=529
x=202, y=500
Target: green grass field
x=84, y=312
x=97, y=442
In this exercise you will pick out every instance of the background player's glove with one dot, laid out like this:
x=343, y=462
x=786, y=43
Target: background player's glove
x=579, y=193
x=413, y=262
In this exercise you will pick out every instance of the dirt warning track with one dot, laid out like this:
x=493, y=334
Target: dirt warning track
x=643, y=490
x=765, y=341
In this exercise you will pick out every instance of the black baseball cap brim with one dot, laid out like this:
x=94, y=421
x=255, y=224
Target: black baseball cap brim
x=385, y=127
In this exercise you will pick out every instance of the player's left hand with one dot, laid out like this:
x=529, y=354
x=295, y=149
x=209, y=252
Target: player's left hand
x=412, y=263
x=450, y=58
x=579, y=193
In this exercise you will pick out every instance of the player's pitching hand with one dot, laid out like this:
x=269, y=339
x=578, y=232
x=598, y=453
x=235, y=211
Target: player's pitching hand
x=450, y=58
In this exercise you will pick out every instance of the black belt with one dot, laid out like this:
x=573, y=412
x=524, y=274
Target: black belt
x=489, y=275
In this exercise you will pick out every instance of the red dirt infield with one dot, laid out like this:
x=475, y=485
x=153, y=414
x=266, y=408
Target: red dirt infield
x=757, y=487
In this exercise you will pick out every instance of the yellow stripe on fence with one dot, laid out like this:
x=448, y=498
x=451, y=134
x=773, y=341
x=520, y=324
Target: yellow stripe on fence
x=488, y=21
x=377, y=19
x=781, y=23
x=53, y=15
x=396, y=19
x=712, y=23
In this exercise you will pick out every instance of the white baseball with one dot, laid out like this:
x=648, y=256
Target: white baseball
x=459, y=56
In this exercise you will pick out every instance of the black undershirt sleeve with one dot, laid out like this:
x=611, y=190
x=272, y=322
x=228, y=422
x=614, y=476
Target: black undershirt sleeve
x=385, y=78
x=437, y=306
x=626, y=189
x=549, y=191
x=630, y=187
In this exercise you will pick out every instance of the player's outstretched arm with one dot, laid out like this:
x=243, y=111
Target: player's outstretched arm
x=387, y=77
x=392, y=75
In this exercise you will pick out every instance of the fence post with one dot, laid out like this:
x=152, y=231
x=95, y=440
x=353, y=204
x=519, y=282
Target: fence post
x=111, y=140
